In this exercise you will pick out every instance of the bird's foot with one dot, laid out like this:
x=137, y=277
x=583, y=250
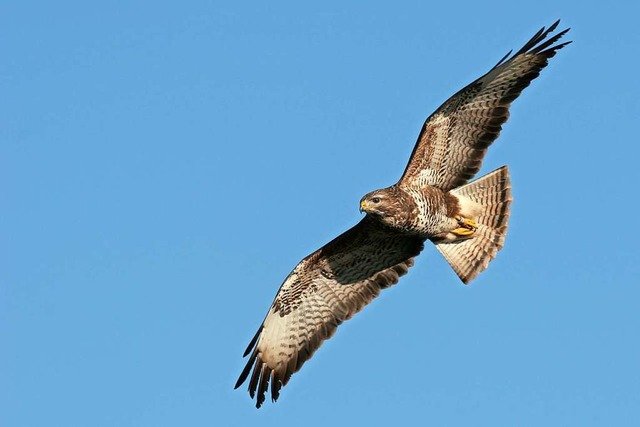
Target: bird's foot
x=467, y=227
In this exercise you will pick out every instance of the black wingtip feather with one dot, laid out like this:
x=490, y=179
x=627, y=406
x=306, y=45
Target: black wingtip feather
x=246, y=370
x=255, y=376
x=263, y=384
x=253, y=342
x=504, y=58
x=252, y=360
x=540, y=49
x=553, y=26
x=276, y=384
x=532, y=45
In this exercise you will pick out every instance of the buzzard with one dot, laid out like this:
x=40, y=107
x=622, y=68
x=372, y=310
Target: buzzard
x=433, y=200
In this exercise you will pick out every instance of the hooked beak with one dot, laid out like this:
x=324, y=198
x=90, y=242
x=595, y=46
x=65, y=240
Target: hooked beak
x=363, y=206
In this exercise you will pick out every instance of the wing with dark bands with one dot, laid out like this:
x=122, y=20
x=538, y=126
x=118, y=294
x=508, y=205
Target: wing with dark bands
x=324, y=289
x=454, y=139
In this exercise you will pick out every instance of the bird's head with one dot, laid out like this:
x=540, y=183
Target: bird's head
x=380, y=203
x=391, y=206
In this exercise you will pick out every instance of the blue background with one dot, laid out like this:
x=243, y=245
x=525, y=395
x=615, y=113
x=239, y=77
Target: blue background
x=163, y=166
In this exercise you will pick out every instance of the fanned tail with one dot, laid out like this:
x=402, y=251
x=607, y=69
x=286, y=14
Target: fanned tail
x=492, y=192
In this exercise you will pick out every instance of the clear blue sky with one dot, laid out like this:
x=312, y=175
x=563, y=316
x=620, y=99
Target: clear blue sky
x=164, y=166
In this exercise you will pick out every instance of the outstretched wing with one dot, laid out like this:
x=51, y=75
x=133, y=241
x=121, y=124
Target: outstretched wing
x=324, y=289
x=454, y=139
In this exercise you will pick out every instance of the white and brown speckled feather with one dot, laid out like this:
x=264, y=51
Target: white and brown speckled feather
x=453, y=141
x=325, y=289
x=492, y=193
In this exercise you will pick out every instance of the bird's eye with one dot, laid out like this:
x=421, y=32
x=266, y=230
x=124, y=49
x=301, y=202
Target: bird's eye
x=375, y=199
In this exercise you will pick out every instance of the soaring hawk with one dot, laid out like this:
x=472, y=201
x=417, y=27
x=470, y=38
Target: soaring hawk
x=467, y=221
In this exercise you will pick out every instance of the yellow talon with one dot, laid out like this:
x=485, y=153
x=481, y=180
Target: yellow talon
x=467, y=227
x=462, y=232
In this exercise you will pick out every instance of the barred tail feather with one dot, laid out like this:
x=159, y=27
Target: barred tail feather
x=492, y=192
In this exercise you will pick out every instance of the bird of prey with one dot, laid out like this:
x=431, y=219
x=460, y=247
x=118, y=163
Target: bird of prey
x=433, y=200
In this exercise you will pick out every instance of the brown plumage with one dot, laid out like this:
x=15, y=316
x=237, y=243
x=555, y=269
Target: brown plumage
x=432, y=201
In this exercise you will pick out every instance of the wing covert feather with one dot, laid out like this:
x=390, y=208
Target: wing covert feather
x=323, y=290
